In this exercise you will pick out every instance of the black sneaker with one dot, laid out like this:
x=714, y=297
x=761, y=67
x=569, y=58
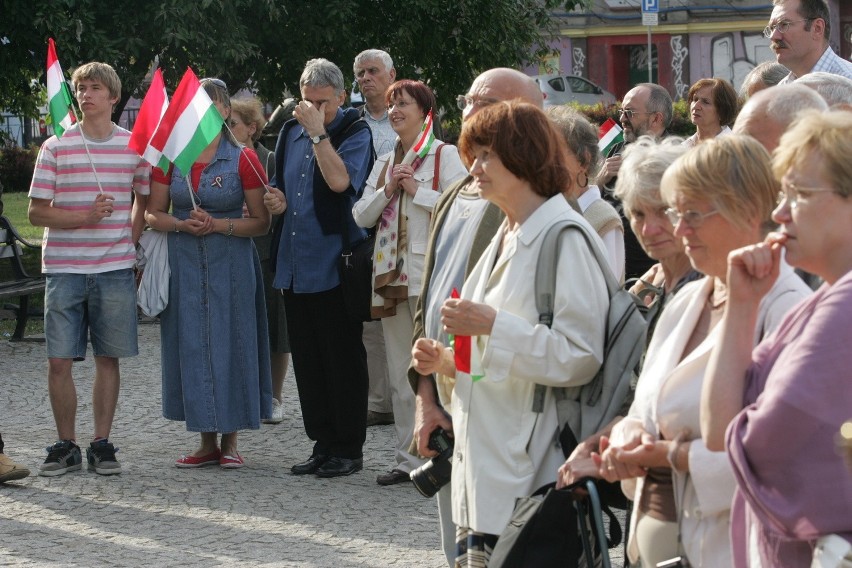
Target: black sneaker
x=62, y=457
x=101, y=458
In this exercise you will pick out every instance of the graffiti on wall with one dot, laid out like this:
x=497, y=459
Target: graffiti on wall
x=728, y=64
x=679, y=55
x=579, y=61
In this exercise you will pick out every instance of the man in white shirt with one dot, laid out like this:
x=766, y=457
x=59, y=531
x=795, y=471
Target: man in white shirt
x=374, y=73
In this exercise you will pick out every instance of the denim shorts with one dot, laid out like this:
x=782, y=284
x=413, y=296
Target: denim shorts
x=101, y=305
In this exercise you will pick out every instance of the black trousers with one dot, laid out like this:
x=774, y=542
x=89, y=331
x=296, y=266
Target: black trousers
x=330, y=364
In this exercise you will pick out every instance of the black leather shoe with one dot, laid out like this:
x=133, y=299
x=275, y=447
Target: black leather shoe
x=312, y=464
x=393, y=477
x=337, y=467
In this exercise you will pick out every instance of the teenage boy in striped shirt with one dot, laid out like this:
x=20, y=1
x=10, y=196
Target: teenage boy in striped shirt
x=82, y=194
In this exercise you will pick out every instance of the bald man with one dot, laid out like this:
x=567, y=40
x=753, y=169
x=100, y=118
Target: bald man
x=768, y=113
x=462, y=226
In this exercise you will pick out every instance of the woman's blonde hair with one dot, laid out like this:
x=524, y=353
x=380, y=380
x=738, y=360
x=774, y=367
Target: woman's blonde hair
x=733, y=173
x=828, y=134
x=251, y=112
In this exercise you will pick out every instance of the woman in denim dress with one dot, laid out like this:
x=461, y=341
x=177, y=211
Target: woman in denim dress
x=215, y=351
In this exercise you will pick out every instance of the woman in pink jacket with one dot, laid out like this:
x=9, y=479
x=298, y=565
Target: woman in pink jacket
x=783, y=403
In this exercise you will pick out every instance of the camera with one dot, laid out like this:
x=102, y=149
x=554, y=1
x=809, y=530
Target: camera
x=435, y=473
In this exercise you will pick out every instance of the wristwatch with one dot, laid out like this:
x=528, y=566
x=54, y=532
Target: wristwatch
x=317, y=139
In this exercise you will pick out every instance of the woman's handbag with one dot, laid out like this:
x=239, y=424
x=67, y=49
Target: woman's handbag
x=153, y=259
x=355, y=267
x=555, y=528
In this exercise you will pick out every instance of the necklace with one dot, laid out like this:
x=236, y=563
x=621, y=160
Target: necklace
x=718, y=296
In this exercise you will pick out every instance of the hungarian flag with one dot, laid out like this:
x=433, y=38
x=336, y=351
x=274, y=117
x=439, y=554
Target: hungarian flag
x=424, y=142
x=58, y=94
x=189, y=125
x=150, y=114
x=466, y=352
x=610, y=134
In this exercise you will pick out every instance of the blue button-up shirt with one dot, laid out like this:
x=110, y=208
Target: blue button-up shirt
x=307, y=258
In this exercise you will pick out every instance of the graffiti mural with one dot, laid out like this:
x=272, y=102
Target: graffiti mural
x=579, y=61
x=679, y=57
x=729, y=62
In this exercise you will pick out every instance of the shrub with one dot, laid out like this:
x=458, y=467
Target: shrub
x=16, y=167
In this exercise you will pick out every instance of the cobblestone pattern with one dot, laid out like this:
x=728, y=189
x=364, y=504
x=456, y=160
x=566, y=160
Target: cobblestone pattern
x=155, y=514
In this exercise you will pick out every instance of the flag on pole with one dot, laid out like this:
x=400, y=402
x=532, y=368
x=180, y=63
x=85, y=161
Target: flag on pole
x=151, y=112
x=610, y=134
x=466, y=352
x=58, y=94
x=189, y=124
x=423, y=144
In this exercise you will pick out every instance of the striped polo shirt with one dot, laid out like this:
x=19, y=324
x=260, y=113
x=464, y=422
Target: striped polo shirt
x=67, y=174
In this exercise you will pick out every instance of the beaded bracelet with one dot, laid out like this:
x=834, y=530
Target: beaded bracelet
x=230, y=227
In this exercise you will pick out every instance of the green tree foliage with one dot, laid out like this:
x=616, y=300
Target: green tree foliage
x=265, y=43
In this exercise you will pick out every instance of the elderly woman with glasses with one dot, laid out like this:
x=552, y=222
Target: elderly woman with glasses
x=215, y=351
x=398, y=200
x=721, y=195
x=777, y=408
x=713, y=107
x=503, y=448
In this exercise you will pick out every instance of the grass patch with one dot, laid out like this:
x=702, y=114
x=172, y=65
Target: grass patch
x=15, y=209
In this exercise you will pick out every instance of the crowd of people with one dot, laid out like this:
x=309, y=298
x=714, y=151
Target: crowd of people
x=738, y=240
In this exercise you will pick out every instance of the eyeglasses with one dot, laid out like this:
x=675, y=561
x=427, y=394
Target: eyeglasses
x=464, y=101
x=782, y=27
x=232, y=123
x=791, y=193
x=399, y=105
x=216, y=82
x=693, y=219
x=629, y=112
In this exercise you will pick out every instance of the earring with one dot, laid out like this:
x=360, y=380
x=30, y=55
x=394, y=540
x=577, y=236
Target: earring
x=585, y=182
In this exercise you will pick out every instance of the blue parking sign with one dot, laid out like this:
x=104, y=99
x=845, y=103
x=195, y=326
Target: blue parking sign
x=650, y=5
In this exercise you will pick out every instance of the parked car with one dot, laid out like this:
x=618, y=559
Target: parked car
x=561, y=89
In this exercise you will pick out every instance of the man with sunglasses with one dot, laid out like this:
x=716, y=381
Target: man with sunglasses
x=799, y=31
x=645, y=110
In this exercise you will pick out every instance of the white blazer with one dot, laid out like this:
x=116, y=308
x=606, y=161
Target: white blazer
x=668, y=398
x=503, y=449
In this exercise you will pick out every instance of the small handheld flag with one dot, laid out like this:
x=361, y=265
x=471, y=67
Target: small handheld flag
x=150, y=114
x=610, y=134
x=424, y=142
x=58, y=94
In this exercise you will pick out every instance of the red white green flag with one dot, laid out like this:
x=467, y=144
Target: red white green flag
x=59, y=98
x=466, y=352
x=423, y=143
x=150, y=115
x=189, y=125
x=610, y=134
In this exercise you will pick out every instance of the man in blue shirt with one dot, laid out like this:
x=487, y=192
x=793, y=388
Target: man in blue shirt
x=323, y=158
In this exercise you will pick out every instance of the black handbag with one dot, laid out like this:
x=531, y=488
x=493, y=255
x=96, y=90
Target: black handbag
x=556, y=528
x=355, y=267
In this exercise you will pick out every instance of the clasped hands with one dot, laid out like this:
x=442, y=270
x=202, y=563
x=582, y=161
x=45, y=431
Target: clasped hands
x=637, y=452
x=402, y=177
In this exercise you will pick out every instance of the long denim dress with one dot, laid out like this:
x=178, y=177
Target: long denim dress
x=215, y=348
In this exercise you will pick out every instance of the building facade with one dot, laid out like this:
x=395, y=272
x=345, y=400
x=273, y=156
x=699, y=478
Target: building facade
x=694, y=39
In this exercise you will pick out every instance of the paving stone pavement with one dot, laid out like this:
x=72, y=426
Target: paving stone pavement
x=155, y=514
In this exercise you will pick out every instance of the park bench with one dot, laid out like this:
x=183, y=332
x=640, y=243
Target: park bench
x=15, y=281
